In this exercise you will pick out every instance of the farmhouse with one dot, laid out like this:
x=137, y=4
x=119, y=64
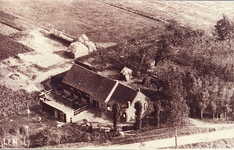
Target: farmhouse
x=83, y=87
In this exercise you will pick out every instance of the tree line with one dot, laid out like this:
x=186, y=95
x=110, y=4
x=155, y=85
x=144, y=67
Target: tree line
x=195, y=70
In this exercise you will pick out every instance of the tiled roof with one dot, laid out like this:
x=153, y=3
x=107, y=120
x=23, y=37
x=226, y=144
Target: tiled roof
x=122, y=95
x=89, y=82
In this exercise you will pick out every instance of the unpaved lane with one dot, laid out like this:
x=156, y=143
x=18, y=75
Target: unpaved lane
x=170, y=142
x=201, y=124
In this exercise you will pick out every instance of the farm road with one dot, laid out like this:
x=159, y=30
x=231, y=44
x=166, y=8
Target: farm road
x=170, y=142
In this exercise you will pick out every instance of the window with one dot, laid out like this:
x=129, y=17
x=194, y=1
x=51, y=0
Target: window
x=145, y=105
x=108, y=107
x=78, y=92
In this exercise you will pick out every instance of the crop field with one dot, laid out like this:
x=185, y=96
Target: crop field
x=99, y=21
x=102, y=22
x=197, y=14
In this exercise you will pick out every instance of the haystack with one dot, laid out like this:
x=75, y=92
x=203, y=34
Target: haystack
x=85, y=40
x=82, y=46
x=78, y=49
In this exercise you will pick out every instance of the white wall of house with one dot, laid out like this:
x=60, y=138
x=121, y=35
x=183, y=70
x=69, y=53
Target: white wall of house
x=130, y=112
x=69, y=115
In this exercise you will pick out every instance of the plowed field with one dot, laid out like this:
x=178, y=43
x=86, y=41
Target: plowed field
x=197, y=14
x=102, y=22
x=99, y=21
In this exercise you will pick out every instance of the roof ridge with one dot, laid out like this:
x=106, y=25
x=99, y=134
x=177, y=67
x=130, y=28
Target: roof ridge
x=92, y=71
x=112, y=91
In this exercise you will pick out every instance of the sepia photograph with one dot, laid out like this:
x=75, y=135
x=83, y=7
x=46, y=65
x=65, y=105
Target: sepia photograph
x=116, y=74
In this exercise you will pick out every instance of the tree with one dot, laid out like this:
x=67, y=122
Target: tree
x=213, y=108
x=138, y=112
x=164, y=49
x=232, y=105
x=191, y=86
x=220, y=107
x=177, y=108
x=115, y=110
x=157, y=109
x=178, y=111
x=2, y=135
x=224, y=28
x=203, y=103
x=23, y=131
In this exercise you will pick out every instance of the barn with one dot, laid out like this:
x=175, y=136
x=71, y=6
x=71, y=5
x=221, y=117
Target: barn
x=81, y=85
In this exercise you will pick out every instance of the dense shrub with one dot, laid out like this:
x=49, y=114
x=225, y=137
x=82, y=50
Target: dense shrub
x=44, y=137
x=14, y=101
x=13, y=131
x=2, y=132
x=224, y=29
x=23, y=130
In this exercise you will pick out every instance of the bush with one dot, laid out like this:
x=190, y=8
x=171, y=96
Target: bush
x=2, y=132
x=63, y=139
x=14, y=101
x=13, y=131
x=44, y=137
x=224, y=28
x=54, y=139
x=23, y=130
x=85, y=137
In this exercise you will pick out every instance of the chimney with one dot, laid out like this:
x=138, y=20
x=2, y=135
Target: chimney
x=129, y=103
x=138, y=90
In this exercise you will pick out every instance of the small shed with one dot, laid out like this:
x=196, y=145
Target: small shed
x=127, y=73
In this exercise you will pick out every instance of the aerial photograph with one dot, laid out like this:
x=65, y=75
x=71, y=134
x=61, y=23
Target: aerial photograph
x=116, y=74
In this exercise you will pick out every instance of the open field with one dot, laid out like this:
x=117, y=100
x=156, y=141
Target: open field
x=99, y=21
x=102, y=22
x=197, y=14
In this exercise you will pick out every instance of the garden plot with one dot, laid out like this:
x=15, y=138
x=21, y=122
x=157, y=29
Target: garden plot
x=15, y=80
x=44, y=48
x=31, y=68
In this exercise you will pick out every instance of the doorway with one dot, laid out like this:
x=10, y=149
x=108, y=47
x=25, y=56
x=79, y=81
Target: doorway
x=95, y=104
